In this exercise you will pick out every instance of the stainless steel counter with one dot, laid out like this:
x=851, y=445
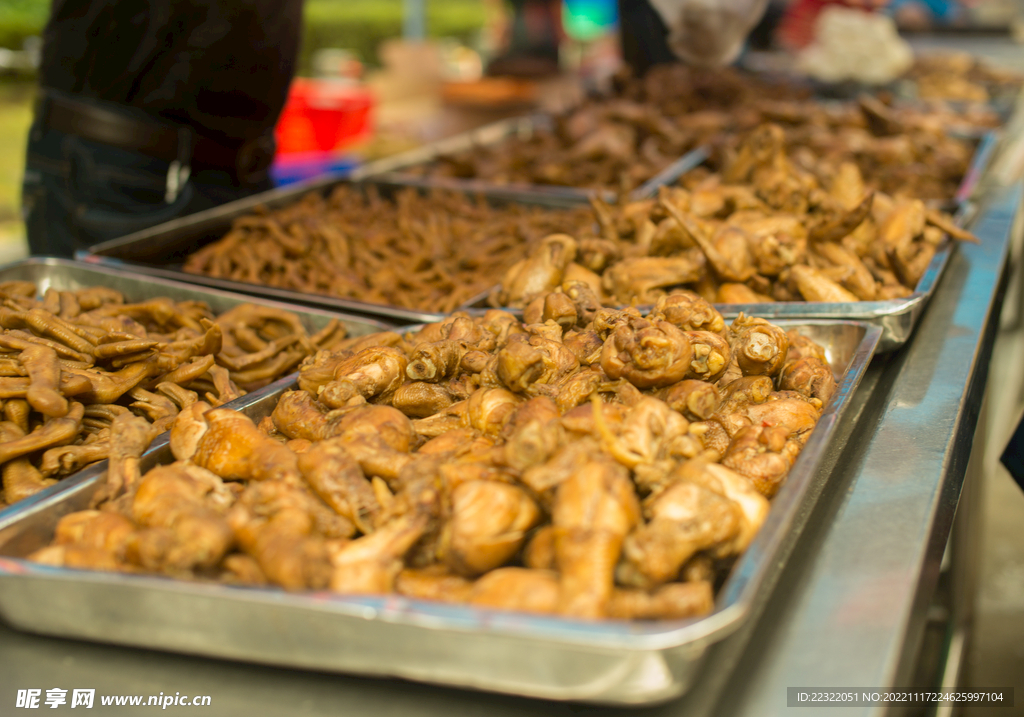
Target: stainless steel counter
x=850, y=608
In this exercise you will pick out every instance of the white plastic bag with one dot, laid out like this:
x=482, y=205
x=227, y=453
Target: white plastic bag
x=855, y=45
x=709, y=32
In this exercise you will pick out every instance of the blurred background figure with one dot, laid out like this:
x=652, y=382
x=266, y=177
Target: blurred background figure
x=643, y=35
x=651, y=31
x=700, y=32
x=923, y=14
x=148, y=111
x=532, y=37
x=715, y=32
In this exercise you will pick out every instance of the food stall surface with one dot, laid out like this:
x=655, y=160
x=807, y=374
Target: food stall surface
x=849, y=609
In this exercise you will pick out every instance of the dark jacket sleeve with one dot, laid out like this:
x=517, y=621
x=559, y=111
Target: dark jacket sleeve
x=643, y=36
x=222, y=66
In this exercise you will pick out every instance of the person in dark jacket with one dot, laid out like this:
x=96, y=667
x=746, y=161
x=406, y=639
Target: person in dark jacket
x=149, y=110
x=643, y=34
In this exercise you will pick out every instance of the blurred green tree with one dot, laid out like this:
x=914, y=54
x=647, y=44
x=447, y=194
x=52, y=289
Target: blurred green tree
x=20, y=19
x=359, y=25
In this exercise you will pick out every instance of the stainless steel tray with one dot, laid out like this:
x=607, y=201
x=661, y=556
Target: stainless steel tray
x=160, y=250
x=609, y=662
x=68, y=275
x=399, y=166
x=896, y=317
x=65, y=275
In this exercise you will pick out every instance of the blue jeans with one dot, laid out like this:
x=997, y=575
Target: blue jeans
x=77, y=193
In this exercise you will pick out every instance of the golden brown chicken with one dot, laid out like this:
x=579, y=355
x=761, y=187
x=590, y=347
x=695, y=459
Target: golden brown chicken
x=594, y=510
x=619, y=487
x=182, y=509
x=683, y=519
x=273, y=522
x=229, y=444
x=488, y=525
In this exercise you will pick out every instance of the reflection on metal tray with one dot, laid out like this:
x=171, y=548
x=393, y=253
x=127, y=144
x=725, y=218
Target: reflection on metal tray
x=64, y=275
x=550, y=657
x=160, y=250
x=520, y=127
x=401, y=167
x=980, y=163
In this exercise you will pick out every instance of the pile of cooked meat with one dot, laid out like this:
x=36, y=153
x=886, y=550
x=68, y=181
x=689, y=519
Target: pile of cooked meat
x=919, y=152
x=619, y=141
x=427, y=252
x=961, y=77
x=763, y=229
x=73, y=361
x=892, y=165
x=590, y=462
x=775, y=223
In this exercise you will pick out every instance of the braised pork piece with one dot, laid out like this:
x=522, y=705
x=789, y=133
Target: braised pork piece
x=72, y=362
x=763, y=229
x=592, y=463
x=431, y=253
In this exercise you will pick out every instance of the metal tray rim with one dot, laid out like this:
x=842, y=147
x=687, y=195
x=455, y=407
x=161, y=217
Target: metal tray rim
x=114, y=270
x=547, y=192
x=323, y=302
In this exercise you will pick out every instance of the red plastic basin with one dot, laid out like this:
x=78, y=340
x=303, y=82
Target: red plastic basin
x=323, y=116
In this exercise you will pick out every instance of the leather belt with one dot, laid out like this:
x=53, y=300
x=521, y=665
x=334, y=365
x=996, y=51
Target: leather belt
x=178, y=145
